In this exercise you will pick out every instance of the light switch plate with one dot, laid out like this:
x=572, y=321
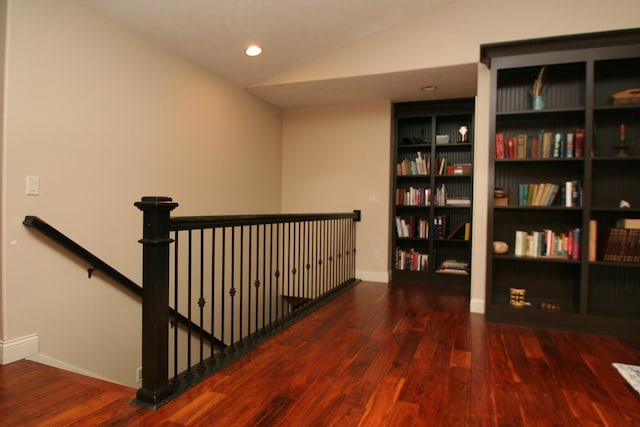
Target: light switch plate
x=33, y=185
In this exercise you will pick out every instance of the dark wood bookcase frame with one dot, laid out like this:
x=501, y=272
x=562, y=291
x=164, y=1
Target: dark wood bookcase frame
x=583, y=72
x=416, y=125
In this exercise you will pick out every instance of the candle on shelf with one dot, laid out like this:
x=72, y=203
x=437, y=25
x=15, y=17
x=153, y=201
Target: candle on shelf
x=622, y=132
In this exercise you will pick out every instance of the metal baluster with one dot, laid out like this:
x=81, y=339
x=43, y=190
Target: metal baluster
x=189, y=277
x=213, y=286
x=232, y=289
x=271, y=274
x=222, y=282
x=264, y=275
x=201, y=300
x=289, y=271
x=175, y=301
x=249, y=263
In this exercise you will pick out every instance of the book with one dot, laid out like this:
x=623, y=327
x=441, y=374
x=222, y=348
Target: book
x=535, y=148
x=440, y=223
x=575, y=246
x=542, y=194
x=411, y=259
x=628, y=223
x=570, y=144
x=557, y=142
x=614, y=243
x=593, y=239
x=442, y=168
x=547, y=148
x=511, y=147
x=522, y=147
x=499, y=149
x=451, y=271
x=458, y=201
x=579, y=142
x=553, y=191
x=454, y=264
x=631, y=245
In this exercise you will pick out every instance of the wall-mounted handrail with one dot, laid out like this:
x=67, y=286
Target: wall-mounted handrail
x=94, y=262
x=98, y=264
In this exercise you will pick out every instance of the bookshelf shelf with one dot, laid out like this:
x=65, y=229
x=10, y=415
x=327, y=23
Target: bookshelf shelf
x=535, y=259
x=537, y=208
x=596, y=286
x=555, y=161
x=540, y=113
x=416, y=126
x=615, y=264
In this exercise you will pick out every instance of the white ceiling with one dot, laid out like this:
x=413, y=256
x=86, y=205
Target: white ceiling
x=214, y=34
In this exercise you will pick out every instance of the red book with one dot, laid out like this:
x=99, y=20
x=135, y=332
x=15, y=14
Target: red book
x=535, y=148
x=499, y=146
x=578, y=142
x=512, y=146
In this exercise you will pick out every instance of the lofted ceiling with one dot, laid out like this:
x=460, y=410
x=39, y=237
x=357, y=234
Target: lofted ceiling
x=214, y=34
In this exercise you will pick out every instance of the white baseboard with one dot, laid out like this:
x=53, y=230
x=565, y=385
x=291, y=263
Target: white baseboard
x=373, y=276
x=18, y=348
x=49, y=361
x=476, y=306
x=28, y=347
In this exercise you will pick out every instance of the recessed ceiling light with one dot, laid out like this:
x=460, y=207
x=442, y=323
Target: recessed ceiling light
x=253, y=50
x=429, y=88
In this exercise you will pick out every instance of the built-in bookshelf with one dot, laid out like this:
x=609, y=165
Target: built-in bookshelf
x=432, y=190
x=563, y=183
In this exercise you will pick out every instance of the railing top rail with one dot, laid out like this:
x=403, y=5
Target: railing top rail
x=197, y=222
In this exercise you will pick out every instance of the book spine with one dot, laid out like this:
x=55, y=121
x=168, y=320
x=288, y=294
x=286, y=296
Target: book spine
x=499, y=150
x=570, y=144
x=593, y=239
x=579, y=142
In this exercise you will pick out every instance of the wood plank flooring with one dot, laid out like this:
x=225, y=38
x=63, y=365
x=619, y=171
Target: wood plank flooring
x=378, y=355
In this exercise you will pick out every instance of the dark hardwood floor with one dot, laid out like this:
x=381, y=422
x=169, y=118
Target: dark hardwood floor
x=378, y=355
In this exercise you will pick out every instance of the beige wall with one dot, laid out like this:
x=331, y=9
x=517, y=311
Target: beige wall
x=103, y=118
x=337, y=159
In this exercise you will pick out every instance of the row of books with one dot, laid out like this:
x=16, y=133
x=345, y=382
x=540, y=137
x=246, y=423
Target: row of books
x=421, y=165
x=422, y=196
x=412, y=227
x=411, y=260
x=548, y=243
x=544, y=194
x=545, y=145
x=616, y=244
x=442, y=198
x=413, y=196
x=418, y=228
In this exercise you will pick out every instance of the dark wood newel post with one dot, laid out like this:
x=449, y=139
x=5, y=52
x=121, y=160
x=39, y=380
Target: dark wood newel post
x=155, y=299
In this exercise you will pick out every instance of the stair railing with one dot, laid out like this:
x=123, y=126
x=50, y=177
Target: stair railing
x=239, y=278
x=214, y=287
